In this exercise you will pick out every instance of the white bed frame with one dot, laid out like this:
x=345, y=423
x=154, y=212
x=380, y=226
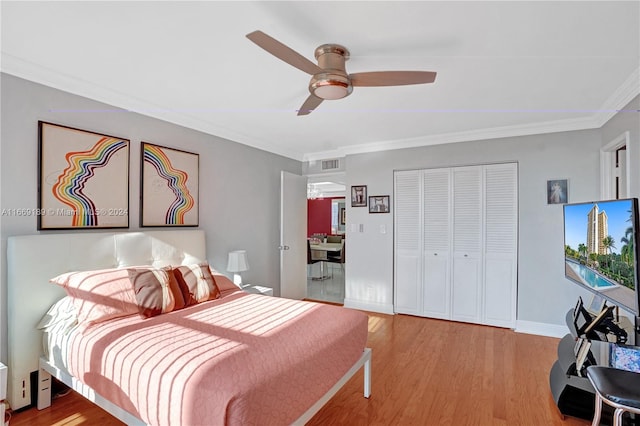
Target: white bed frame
x=32, y=260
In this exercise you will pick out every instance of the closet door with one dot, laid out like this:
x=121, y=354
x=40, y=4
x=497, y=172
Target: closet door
x=408, y=256
x=501, y=237
x=467, y=244
x=436, y=300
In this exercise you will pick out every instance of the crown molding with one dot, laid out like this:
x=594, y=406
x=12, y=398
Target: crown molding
x=629, y=89
x=620, y=98
x=126, y=103
x=467, y=136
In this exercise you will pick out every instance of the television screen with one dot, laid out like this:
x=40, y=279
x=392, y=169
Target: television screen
x=600, y=247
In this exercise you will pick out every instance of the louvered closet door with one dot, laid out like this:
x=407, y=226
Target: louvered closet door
x=501, y=230
x=467, y=244
x=436, y=299
x=407, y=228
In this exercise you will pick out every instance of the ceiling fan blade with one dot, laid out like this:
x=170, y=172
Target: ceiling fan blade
x=283, y=52
x=309, y=105
x=391, y=78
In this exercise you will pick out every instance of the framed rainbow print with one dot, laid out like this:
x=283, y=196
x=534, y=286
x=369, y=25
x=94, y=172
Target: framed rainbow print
x=83, y=180
x=169, y=186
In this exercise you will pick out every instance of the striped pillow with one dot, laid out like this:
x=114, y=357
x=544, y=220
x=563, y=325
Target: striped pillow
x=196, y=282
x=157, y=291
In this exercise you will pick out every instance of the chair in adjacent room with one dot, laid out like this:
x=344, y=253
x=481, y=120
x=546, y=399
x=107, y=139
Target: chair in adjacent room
x=315, y=256
x=337, y=257
x=617, y=388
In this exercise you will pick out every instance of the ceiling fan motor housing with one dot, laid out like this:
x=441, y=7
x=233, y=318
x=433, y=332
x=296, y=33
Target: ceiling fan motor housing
x=334, y=82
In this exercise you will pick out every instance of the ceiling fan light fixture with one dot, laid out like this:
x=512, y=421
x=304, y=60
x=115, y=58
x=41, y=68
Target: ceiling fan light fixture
x=330, y=86
x=330, y=79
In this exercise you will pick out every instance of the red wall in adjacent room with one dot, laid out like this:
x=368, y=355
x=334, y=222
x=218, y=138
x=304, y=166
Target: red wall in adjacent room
x=319, y=216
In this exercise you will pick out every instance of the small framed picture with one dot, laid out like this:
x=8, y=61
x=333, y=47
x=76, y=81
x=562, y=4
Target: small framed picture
x=379, y=204
x=557, y=191
x=343, y=216
x=359, y=196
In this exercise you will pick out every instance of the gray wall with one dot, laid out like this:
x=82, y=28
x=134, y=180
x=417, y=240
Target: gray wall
x=544, y=295
x=239, y=185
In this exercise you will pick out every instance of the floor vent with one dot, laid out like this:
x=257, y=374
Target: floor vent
x=330, y=164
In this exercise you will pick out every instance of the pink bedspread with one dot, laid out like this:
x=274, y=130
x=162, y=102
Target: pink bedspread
x=245, y=359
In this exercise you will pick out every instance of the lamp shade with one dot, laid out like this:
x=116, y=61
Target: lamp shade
x=237, y=261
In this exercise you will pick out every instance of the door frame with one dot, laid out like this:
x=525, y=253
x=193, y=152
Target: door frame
x=607, y=178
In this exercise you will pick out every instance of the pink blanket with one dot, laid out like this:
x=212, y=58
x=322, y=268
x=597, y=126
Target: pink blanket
x=244, y=359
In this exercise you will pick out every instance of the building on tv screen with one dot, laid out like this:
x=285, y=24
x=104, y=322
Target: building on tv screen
x=600, y=249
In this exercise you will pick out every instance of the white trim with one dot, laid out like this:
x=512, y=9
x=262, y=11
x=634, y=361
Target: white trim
x=34, y=72
x=118, y=101
x=466, y=136
x=381, y=308
x=541, y=329
x=606, y=170
x=619, y=99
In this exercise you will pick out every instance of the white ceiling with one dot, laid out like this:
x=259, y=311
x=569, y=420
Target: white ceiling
x=504, y=68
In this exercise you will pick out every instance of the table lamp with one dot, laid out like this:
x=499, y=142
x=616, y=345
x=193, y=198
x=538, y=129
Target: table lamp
x=237, y=263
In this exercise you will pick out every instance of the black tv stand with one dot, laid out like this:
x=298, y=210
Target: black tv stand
x=571, y=390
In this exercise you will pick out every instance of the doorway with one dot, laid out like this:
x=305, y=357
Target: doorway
x=326, y=229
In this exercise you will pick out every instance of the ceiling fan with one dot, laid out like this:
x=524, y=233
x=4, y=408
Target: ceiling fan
x=329, y=78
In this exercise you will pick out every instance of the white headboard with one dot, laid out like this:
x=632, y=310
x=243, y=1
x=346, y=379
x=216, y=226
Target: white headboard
x=34, y=259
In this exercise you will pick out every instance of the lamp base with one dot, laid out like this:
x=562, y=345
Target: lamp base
x=237, y=280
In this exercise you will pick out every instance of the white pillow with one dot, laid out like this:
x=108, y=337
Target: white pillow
x=61, y=311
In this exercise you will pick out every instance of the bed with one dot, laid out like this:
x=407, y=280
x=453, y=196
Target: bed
x=237, y=359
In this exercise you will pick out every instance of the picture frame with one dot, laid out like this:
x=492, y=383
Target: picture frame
x=557, y=191
x=359, y=196
x=169, y=186
x=379, y=204
x=343, y=216
x=83, y=179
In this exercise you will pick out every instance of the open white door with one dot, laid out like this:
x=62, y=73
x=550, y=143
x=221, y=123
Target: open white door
x=293, y=236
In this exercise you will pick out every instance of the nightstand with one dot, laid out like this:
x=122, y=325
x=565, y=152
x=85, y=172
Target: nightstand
x=258, y=289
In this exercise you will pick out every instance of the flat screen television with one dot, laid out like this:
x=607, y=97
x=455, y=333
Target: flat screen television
x=601, y=249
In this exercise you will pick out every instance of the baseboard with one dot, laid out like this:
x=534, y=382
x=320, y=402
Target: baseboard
x=541, y=328
x=381, y=308
x=527, y=327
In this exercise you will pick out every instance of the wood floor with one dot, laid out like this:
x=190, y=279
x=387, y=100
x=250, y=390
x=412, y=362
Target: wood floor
x=424, y=372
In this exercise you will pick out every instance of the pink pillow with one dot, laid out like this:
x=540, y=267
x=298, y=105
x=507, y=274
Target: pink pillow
x=223, y=283
x=196, y=282
x=99, y=295
x=157, y=290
